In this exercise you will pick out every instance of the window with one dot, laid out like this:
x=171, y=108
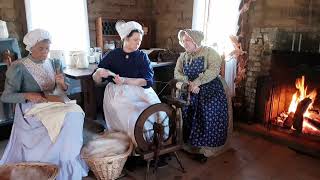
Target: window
x=66, y=20
x=218, y=20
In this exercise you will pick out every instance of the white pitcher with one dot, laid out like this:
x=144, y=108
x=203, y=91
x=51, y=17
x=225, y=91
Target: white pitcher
x=80, y=58
x=3, y=29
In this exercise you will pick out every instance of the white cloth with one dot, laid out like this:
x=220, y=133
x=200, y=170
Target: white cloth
x=230, y=74
x=52, y=115
x=107, y=144
x=35, y=36
x=123, y=104
x=124, y=28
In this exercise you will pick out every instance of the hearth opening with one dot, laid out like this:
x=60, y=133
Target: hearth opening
x=288, y=98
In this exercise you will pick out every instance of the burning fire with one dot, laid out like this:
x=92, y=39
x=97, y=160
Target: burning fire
x=299, y=96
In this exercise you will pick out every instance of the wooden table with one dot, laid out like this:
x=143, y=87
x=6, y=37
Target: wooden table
x=88, y=86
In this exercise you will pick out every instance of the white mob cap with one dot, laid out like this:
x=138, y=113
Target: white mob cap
x=35, y=36
x=124, y=28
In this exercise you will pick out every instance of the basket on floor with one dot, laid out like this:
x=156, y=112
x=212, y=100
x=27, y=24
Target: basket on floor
x=29, y=171
x=109, y=167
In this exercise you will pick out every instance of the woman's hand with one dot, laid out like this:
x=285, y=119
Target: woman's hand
x=194, y=88
x=60, y=81
x=54, y=98
x=119, y=80
x=103, y=73
x=35, y=97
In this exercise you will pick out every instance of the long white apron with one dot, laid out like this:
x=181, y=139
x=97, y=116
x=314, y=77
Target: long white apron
x=123, y=104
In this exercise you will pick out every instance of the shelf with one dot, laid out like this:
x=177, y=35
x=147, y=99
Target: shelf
x=108, y=25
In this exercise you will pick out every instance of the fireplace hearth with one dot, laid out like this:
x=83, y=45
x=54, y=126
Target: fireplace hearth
x=288, y=96
x=287, y=103
x=282, y=70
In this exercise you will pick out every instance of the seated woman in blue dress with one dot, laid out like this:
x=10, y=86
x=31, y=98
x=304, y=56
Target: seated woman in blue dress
x=52, y=133
x=206, y=120
x=132, y=76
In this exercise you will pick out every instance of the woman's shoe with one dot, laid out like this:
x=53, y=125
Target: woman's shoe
x=201, y=158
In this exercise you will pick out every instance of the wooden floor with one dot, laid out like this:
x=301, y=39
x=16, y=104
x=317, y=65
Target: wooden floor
x=249, y=158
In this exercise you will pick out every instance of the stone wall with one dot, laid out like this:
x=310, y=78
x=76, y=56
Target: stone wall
x=262, y=41
x=171, y=16
x=286, y=13
x=168, y=16
x=267, y=19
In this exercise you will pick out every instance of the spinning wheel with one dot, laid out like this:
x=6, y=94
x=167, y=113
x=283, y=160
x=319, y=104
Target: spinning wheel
x=158, y=129
x=158, y=123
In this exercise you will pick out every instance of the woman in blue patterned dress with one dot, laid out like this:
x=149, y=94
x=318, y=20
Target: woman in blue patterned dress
x=205, y=120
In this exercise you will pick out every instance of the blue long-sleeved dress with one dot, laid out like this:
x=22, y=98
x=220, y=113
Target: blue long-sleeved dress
x=123, y=104
x=29, y=140
x=132, y=65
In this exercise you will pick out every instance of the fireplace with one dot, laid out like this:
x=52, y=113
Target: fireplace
x=290, y=88
x=288, y=99
x=276, y=62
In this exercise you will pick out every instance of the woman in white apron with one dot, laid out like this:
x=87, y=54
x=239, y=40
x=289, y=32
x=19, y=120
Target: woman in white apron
x=131, y=76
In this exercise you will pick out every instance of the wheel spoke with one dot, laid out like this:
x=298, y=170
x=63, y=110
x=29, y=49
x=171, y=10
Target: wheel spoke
x=166, y=126
x=148, y=134
x=150, y=121
x=164, y=119
x=147, y=130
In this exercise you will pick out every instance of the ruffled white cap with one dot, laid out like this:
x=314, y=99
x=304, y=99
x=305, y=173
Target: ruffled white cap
x=124, y=28
x=35, y=36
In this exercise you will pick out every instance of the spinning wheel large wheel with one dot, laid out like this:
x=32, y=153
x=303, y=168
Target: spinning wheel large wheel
x=158, y=129
x=155, y=125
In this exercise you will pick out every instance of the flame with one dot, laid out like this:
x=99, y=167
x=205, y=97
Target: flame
x=299, y=96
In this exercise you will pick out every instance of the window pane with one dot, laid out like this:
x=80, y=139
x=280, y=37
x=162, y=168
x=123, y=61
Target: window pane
x=66, y=20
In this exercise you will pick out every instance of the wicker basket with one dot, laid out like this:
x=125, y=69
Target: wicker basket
x=29, y=171
x=109, y=167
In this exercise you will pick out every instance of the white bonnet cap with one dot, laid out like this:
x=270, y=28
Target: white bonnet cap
x=35, y=36
x=124, y=28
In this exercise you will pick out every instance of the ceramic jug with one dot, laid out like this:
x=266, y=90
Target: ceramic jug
x=80, y=58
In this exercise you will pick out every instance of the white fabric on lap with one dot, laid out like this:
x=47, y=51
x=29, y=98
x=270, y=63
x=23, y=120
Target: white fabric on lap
x=123, y=104
x=52, y=115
